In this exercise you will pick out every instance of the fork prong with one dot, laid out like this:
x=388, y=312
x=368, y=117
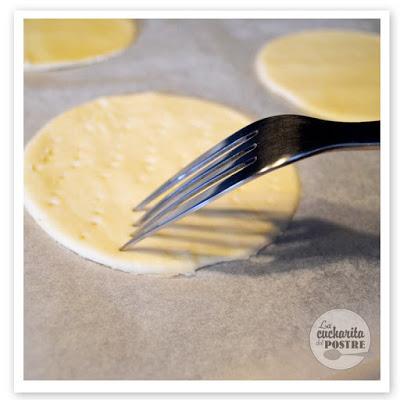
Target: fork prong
x=213, y=179
x=195, y=203
x=198, y=179
x=218, y=150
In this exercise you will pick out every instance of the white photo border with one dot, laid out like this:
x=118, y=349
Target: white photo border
x=193, y=386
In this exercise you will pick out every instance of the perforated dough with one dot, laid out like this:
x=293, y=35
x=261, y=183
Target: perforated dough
x=59, y=42
x=87, y=168
x=329, y=74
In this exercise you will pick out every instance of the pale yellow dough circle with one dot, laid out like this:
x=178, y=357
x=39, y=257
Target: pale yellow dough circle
x=87, y=168
x=58, y=42
x=328, y=74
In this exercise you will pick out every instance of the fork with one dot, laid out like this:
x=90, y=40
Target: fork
x=257, y=149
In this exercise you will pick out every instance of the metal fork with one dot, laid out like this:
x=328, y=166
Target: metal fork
x=259, y=148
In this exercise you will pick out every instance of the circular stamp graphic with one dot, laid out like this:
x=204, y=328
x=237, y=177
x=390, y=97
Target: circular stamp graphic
x=340, y=339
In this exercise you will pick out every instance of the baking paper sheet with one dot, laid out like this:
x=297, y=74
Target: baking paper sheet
x=236, y=320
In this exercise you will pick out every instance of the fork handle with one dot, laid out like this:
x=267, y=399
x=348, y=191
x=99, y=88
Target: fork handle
x=343, y=135
x=299, y=136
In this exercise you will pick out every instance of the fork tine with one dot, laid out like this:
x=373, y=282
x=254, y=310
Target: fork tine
x=205, y=184
x=199, y=178
x=194, y=203
x=215, y=152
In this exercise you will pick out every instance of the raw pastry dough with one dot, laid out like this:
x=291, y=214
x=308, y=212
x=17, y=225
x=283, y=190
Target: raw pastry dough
x=329, y=74
x=87, y=168
x=64, y=41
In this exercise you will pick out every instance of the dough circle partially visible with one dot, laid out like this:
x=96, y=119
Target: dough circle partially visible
x=62, y=42
x=328, y=74
x=87, y=168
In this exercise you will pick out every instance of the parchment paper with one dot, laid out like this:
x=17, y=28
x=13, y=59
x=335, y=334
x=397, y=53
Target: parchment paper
x=236, y=320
